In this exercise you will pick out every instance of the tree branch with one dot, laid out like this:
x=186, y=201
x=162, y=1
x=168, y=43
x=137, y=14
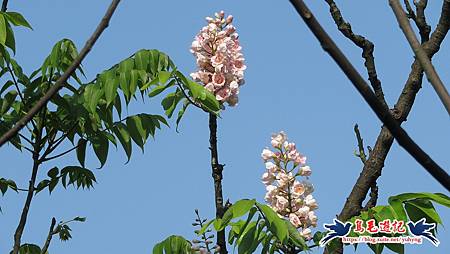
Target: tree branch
x=384, y=115
x=366, y=46
x=62, y=80
x=51, y=232
x=4, y=5
x=431, y=73
x=362, y=153
x=23, y=218
x=421, y=22
x=217, y=169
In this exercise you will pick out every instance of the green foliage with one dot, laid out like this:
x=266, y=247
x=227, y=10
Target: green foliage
x=173, y=245
x=268, y=230
x=29, y=249
x=6, y=33
x=404, y=207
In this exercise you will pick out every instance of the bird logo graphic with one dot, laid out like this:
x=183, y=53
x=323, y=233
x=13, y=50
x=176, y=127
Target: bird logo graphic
x=337, y=229
x=422, y=229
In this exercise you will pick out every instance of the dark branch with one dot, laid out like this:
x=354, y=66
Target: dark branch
x=420, y=53
x=23, y=217
x=366, y=46
x=62, y=80
x=217, y=169
x=383, y=114
x=362, y=153
x=373, y=197
x=51, y=232
x=421, y=22
x=4, y=5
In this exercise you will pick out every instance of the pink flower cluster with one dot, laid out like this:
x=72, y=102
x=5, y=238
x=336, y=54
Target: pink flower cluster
x=219, y=59
x=287, y=196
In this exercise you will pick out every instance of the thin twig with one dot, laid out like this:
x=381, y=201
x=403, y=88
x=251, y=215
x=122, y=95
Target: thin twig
x=16, y=84
x=62, y=80
x=59, y=155
x=362, y=153
x=367, y=49
x=428, y=67
x=384, y=115
x=188, y=97
x=51, y=232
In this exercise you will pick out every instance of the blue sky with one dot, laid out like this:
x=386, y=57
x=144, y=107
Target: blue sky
x=291, y=85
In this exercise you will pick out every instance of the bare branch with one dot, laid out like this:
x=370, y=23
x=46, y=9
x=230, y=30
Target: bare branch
x=4, y=5
x=431, y=73
x=366, y=46
x=362, y=153
x=23, y=217
x=217, y=169
x=384, y=115
x=62, y=80
x=373, y=197
x=51, y=232
x=421, y=22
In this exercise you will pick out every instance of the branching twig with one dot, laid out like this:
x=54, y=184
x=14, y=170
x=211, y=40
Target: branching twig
x=372, y=202
x=366, y=46
x=384, y=115
x=58, y=155
x=431, y=73
x=62, y=80
x=421, y=22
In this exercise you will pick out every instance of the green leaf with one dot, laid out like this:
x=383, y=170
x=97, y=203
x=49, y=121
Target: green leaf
x=158, y=89
x=426, y=207
x=181, y=113
x=53, y=172
x=100, y=144
x=238, y=209
x=295, y=236
x=121, y=132
x=80, y=219
x=141, y=58
x=276, y=224
x=17, y=19
x=2, y=30
x=111, y=86
x=9, y=99
x=170, y=102
x=173, y=245
x=398, y=209
x=247, y=240
x=136, y=130
x=81, y=151
x=205, y=227
x=10, y=40
x=29, y=249
x=164, y=76
x=436, y=197
x=78, y=176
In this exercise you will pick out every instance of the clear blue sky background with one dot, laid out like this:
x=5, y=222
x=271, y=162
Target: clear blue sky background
x=291, y=85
